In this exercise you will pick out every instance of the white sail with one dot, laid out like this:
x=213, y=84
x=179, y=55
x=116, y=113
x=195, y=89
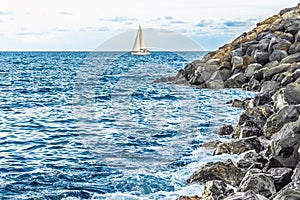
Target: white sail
x=139, y=47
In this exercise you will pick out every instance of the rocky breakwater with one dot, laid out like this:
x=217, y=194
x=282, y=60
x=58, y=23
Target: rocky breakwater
x=267, y=136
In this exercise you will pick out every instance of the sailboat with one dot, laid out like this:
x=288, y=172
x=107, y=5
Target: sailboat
x=139, y=47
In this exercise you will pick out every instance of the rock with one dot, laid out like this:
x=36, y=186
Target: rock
x=225, y=73
x=216, y=190
x=292, y=93
x=259, y=183
x=215, y=81
x=210, y=144
x=291, y=58
x=288, y=194
x=282, y=45
x=249, y=195
x=262, y=99
x=285, y=145
x=278, y=55
x=251, y=69
x=294, y=48
x=222, y=170
x=259, y=74
x=275, y=70
x=237, y=103
x=297, y=36
x=247, y=60
x=250, y=159
x=235, y=81
x=253, y=84
x=296, y=74
x=292, y=25
x=268, y=86
x=279, y=99
x=237, y=62
x=239, y=146
x=225, y=130
x=195, y=197
x=281, y=176
x=262, y=57
x=276, y=121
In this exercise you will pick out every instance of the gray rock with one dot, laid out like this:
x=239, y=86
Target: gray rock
x=260, y=183
x=292, y=25
x=278, y=55
x=239, y=146
x=296, y=74
x=195, y=197
x=281, y=176
x=285, y=145
x=287, y=36
x=250, y=159
x=291, y=58
x=251, y=69
x=216, y=190
x=262, y=57
x=297, y=36
x=225, y=130
x=237, y=62
x=282, y=45
x=225, y=73
x=276, y=121
x=279, y=99
x=249, y=195
x=292, y=93
x=268, y=86
x=222, y=170
x=235, y=81
x=294, y=48
x=254, y=84
x=259, y=74
x=288, y=194
x=275, y=70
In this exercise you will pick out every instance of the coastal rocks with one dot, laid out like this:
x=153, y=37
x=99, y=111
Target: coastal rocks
x=251, y=69
x=251, y=159
x=222, y=170
x=278, y=55
x=291, y=58
x=292, y=24
x=239, y=146
x=260, y=183
x=281, y=176
x=225, y=130
x=195, y=197
x=235, y=81
x=216, y=190
x=246, y=195
x=285, y=146
x=268, y=74
x=292, y=93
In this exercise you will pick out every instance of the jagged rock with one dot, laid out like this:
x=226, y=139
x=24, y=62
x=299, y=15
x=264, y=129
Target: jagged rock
x=237, y=62
x=296, y=74
x=195, y=197
x=276, y=121
x=278, y=55
x=248, y=60
x=239, y=146
x=292, y=93
x=222, y=170
x=281, y=176
x=235, y=81
x=216, y=190
x=259, y=74
x=282, y=45
x=251, y=159
x=225, y=130
x=210, y=144
x=288, y=194
x=294, y=48
x=249, y=195
x=285, y=145
x=225, y=73
x=253, y=84
x=260, y=183
x=291, y=58
x=251, y=69
x=262, y=57
x=268, y=86
x=279, y=99
x=275, y=70
x=237, y=103
x=292, y=24
x=262, y=99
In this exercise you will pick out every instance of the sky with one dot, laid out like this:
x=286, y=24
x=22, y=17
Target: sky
x=86, y=24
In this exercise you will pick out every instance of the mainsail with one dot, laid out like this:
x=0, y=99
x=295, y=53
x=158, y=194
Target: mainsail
x=139, y=47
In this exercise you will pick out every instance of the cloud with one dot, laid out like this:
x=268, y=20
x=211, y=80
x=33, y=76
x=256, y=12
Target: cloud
x=102, y=29
x=168, y=17
x=61, y=30
x=239, y=23
x=28, y=33
x=65, y=13
x=177, y=22
x=88, y=28
x=205, y=22
x=6, y=13
x=122, y=19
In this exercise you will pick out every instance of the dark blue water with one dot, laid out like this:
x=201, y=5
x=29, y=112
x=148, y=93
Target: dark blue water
x=79, y=125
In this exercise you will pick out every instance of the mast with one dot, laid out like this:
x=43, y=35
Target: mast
x=137, y=42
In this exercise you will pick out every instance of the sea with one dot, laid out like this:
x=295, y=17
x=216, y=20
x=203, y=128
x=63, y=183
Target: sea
x=99, y=125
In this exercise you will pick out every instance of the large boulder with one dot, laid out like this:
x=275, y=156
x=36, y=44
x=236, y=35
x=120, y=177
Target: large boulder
x=239, y=146
x=260, y=183
x=279, y=99
x=281, y=176
x=294, y=48
x=251, y=69
x=236, y=80
x=285, y=145
x=249, y=195
x=291, y=58
x=225, y=130
x=276, y=121
x=292, y=25
x=278, y=55
x=275, y=70
x=222, y=170
x=292, y=93
x=251, y=159
x=216, y=190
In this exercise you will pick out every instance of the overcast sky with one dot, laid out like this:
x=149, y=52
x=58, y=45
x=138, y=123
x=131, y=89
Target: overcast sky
x=85, y=24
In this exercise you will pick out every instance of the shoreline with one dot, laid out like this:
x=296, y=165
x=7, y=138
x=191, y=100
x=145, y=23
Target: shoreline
x=267, y=137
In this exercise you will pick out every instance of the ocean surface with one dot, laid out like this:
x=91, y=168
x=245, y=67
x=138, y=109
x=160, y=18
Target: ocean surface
x=82, y=125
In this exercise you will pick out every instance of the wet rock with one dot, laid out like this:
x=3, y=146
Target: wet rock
x=294, y=48
x=237, y=103
x=276, y=121
x=251, y=69
x=210, y=144
x=285, y=145
x=292, y=25
x=217, y=190
x=249, y=195
x=292, y=93
x=275, y=70
x=277, y=55
x=251, y=159
x=195, y=197
x=281, y=176
x=225, y=130
x=235, y=81
x=239, y=146
x=291, y=58
x=260, y=183
x=222, y=170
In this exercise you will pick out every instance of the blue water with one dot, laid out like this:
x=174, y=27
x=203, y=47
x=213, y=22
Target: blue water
x=80, y=125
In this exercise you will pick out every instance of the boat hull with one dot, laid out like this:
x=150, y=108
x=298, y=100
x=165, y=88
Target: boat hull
x=140, y=53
